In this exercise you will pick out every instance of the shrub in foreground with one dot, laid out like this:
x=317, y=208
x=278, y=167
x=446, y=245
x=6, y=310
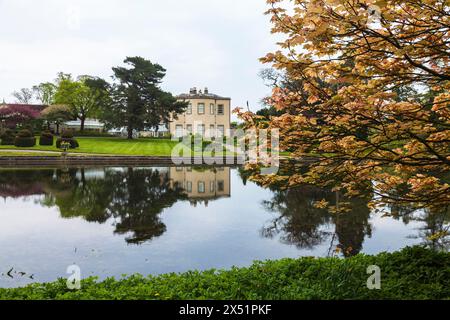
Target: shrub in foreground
x=46, y=139
x=7, y=137
x=413, y=273
x=25, y=139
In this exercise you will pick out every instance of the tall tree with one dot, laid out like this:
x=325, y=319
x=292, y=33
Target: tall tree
x=45, y=92
x=369, y=53
x=138, y=102
x=82, y=96
x=24, y=96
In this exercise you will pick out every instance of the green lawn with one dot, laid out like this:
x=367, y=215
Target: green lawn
x=116, y=146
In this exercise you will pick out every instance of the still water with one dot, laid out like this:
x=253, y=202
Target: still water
x=115, y=221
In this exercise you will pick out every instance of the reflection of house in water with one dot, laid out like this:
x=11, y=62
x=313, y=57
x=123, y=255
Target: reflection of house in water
x=201, y=184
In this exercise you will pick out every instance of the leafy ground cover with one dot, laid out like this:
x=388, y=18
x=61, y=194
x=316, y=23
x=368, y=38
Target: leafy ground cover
x=413, y=273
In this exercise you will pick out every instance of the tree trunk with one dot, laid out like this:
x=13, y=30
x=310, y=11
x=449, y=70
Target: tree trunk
x=130, y=132
x=57, y=128
x=82, y=120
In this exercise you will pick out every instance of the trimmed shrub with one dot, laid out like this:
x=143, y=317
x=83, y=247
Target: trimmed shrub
x=92, y=133
x=46, y=139
x=67, y=134
x=7, y=137
x=73, y=143
x=25, y=139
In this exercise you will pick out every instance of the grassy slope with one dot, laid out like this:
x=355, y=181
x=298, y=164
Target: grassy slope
x=154, y=147
x=413, y=273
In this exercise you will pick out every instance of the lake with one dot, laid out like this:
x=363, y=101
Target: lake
x=113, y=221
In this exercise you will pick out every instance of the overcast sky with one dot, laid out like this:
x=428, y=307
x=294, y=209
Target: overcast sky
x=214, y=43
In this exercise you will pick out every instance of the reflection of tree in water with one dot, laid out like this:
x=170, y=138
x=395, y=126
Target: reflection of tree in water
x=435, y=228
x=353, y=226
x=133, y=197
x=302, y=224
x=139, y=197
x=299, y=222
x=22, y=183
x=76, y=196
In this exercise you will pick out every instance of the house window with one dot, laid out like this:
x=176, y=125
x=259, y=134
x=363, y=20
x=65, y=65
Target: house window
x=189, y=109
x=221, y=130
x=212, y=186
x=178, y=130
x=212, y=133
x=212, y=108
x=201, y=129
x=201, y=108
x=220, y=186
x=201, y=187
x=189, y=186
x=189, y=128
x=220, y=109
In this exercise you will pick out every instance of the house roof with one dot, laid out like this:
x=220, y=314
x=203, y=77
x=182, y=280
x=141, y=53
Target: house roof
x=201, y=95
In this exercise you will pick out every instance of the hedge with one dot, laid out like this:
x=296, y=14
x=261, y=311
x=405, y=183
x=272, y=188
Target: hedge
x=25, y=139
x=46, y=139
x=413, y=273
x=7, y=137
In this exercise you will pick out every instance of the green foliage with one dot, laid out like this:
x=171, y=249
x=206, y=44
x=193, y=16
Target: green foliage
x=7, y=137
x=84, y=96
x=25, y=139
x=67, y=134
x=46, y=139
x=413, y=273
x=137, y=99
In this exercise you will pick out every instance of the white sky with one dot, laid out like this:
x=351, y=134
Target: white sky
x=214, y=43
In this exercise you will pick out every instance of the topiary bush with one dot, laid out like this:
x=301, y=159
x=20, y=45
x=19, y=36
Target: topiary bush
x=25, y=139
x=7, y=137
x=46, y=139
x=67, y=134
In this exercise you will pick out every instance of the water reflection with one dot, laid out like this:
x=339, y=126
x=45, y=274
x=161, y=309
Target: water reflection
x=134, y=198
x=150, y=220
x=300, y=222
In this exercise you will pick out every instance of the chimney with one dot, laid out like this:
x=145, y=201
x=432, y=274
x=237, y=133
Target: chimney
x=193, y=90
x=206, y=90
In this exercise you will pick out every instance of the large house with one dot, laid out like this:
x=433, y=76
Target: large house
x=208, y=115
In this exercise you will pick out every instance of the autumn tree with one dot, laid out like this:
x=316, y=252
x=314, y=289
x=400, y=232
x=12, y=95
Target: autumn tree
x=372, y=131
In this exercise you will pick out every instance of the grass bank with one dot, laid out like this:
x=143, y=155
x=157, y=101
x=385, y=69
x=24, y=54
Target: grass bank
x=413, y=273
x=114, y=146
